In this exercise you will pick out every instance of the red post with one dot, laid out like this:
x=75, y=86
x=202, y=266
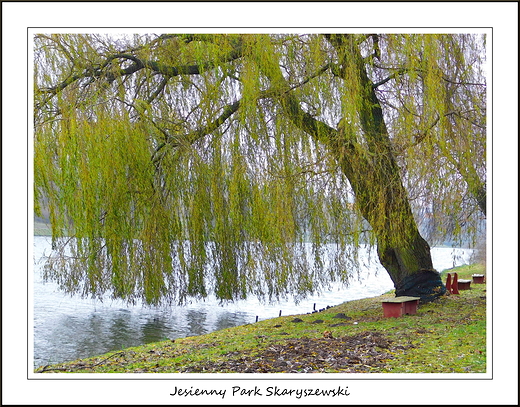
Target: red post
x=448, y=283
x=455, y=285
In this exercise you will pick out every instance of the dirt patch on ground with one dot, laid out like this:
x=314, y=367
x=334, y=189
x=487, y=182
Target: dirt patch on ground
x=350, y=354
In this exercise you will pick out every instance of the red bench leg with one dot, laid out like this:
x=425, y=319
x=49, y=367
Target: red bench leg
x=392, y=309
x=448, y=283
x=410, y=307
x=455, y=284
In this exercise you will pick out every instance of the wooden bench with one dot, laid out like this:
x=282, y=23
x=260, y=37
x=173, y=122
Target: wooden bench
x=399, y=306
x=452, y=286
x=464, y=284
x=478, y=278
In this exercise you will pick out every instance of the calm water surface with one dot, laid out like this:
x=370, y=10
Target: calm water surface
x=69, y=328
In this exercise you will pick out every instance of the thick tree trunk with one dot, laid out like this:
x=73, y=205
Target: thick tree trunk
x=382, y=200
x=410, y=268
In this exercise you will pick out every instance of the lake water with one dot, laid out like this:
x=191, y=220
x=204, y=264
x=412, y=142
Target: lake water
x=69, y=328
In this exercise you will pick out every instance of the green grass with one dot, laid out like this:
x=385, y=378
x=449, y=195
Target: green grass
x=445, y=336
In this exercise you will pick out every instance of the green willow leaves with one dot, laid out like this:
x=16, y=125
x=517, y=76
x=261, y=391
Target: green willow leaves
x=177, y=166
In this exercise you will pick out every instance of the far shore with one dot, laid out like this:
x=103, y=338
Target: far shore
x=42, y=228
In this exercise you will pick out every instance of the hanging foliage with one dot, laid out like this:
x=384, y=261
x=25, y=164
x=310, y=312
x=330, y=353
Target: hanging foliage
x=176, y=166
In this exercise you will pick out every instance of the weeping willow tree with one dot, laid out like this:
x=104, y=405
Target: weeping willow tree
x=175, y=166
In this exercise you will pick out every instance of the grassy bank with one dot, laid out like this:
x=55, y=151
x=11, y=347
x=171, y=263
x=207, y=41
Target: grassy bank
x=446, y=336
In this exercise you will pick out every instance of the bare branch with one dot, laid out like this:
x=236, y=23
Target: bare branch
x=191, y=137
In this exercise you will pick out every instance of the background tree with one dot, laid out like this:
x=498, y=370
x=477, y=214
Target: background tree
x=175, y=166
